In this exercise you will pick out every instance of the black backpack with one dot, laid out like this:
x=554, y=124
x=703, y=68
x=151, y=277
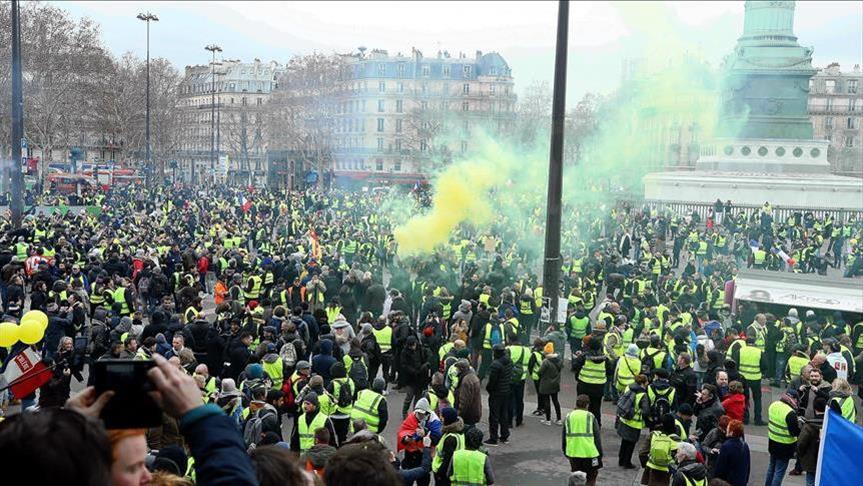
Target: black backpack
x=661, y=405
x=345, y=396
x=626, y=405
x=359, y=373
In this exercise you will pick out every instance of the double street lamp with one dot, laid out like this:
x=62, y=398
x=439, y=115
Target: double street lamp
x=213, y=48
x=147, y=17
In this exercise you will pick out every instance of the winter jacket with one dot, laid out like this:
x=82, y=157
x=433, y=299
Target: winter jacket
x=469, y=398
x=732, y=465
x=808, y=443
x=693, y=470
x=318, y=455
x=321, y=363
x=685, y=382
x=549, y=374
x=707, y=415
x=448, y=445
x=238, y=356
x=500, y=377
x=734, y=405
x=218, y=449
x=413, y=366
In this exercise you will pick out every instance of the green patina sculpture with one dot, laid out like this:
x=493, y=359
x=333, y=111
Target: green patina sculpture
x=766, y=80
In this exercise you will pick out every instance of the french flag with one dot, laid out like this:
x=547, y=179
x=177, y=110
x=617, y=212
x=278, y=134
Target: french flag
x=24, y=371
x=245, y=203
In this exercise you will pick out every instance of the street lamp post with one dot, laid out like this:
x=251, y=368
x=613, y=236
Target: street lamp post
x=147, y=17
x=551, y=268
x=213, y=48
x=17, y=111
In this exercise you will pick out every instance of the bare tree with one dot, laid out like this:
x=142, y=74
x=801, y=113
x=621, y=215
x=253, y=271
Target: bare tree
x=533, y=114
x=581, y=124
x=302, y=110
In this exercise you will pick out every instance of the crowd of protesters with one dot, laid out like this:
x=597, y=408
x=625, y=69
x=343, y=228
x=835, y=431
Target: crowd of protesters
x=281, y=325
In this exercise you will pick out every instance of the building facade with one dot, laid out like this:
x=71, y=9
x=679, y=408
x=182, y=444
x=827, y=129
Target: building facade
x=241, y=94
x=836, y=109
x=401, y=116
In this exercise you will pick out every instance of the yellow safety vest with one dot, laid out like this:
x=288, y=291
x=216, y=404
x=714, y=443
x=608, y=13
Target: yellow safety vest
x=468, y=468
x=750, y=363
x=627, y=368
x=306, y=432
x=777, y=428
x=366, y=408
x=579, y=435
x=592, y=372
x=637, y=420
x=662, y=450
x=384, y=337
x=846, y=404
x=119, y=296
x=276, y=372
x=437, y=461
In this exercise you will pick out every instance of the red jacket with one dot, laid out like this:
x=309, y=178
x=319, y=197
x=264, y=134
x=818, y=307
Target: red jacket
x=734, y=405
x=203, y=265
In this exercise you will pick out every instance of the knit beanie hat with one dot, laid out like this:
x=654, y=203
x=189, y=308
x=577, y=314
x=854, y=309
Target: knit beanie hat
x=312, y=398
x=254, y=371
x=449, y=415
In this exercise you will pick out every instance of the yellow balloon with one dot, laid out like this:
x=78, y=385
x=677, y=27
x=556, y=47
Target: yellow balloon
x=8, y=334
x=30, y=332
x=40, y=317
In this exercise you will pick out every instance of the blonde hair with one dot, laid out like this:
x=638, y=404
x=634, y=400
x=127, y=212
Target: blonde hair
x=841, y=385
x=162, y=478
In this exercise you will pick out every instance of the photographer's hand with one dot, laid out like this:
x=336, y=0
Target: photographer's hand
x=176, y=392
x=87, y=404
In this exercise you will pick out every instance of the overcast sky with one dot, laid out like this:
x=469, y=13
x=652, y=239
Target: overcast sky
x=601, y=34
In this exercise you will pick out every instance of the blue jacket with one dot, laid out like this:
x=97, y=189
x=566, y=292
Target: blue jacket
x=218, y=449
x=732, y=465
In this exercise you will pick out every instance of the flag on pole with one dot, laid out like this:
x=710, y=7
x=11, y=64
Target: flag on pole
x=316, y=245
x=24, y=371
x=245, y=203
x=839, y=452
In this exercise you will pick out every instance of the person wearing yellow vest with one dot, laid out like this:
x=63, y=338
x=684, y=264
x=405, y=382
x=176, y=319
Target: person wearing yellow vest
x=122, y=300
x=629, y=426
x=470, y=466
x=796, y=362
x=751, y=366
x=628, y=366
x=452, y=439
x=383, y=333
x=577, y=327
x=758, y=331
x=841, y=400
x=520, y=356
x=689, y=471
x=371, y=406
x=581, y=440
x=303, y=435
x=783, y=428
x=342, y=388
x=660, y=450
x=591, y=375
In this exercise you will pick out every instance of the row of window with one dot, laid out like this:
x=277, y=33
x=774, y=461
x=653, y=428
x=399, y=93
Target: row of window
x=259, y=86
x=850, y=140
x=851, y=123
x=358, y=164
x=424, y=88
x=833, y=104
x=425, y=70
x=832, y=86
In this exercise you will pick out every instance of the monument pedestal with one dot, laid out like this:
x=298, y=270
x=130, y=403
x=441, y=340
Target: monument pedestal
x=790, y=173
